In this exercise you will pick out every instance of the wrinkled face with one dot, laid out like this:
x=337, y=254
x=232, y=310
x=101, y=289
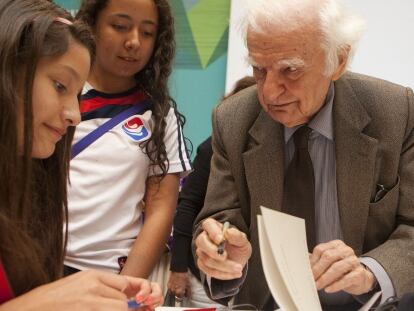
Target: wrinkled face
x=126, y=31
x=57, y=82
x=289, y=69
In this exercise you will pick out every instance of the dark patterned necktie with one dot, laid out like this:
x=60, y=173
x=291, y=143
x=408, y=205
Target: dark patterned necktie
x=299, y=191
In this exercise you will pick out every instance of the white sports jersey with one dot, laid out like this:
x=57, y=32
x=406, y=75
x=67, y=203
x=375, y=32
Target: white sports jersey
x=107, y=179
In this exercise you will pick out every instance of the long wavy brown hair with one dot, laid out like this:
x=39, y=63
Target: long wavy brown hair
x=153, y=78
x=33, y=203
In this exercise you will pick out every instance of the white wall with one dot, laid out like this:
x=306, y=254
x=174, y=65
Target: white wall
x=385, y=51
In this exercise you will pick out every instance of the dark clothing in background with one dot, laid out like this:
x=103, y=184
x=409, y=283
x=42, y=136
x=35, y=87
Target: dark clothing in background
x=190, y=202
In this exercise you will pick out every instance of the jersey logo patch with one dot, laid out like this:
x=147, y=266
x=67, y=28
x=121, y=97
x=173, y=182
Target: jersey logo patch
x=135, y=129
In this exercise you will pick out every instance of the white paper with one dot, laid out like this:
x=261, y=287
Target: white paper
x=285, y=260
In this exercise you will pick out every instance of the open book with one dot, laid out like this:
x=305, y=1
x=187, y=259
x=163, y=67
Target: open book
x=285, y=260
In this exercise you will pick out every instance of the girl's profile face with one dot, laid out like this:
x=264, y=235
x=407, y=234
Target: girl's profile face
x=57, y=82
x=125, y=31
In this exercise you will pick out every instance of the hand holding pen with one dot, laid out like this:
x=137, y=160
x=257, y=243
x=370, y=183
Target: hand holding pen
x=222, y=251
x=222, y=245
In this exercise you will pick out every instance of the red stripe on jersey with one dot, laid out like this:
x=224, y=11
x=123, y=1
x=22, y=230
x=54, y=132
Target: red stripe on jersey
x=5, y=291
x=98, y=101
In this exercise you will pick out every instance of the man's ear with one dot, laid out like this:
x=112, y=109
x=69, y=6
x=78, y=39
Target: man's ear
x=343, y=56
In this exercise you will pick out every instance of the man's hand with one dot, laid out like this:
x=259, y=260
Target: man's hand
x=237, y=252
x=335, y=267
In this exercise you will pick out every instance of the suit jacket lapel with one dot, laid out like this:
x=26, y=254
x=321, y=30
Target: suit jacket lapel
x=263, y=161
x=355, y=163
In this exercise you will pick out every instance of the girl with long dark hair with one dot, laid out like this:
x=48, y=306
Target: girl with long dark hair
x=137, y=163
x=45, y=59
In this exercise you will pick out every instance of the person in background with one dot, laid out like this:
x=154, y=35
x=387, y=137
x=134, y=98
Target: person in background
x=45, y=59
x=141, y=159
x=333, y=147
x=184, y=280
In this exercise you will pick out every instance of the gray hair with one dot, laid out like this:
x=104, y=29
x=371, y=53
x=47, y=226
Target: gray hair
x=340, y=28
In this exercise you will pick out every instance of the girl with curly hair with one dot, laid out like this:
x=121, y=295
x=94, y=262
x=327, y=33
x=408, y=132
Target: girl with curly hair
x=45, y=59
x=142, y=157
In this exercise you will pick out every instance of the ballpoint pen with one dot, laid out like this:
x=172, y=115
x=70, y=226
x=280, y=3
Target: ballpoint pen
x=222, y=245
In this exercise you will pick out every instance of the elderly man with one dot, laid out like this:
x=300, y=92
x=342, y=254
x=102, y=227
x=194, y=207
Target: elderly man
x=315, y=141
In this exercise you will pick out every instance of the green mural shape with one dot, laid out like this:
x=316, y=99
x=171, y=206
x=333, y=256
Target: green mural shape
x=186, y=54
x=221, y=47
x=69, y=4
x=188, y=4
x=209, y=20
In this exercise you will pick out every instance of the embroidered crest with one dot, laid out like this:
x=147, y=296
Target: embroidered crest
x=135, y=129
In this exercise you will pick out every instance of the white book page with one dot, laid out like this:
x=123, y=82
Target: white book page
x=286, y=236
x=273, y=277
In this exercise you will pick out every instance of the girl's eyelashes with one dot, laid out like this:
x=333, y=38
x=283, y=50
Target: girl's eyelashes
x=59, y=86
x=148, y=33
x=119, y=27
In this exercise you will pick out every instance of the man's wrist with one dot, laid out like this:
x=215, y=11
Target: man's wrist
x=371, y=279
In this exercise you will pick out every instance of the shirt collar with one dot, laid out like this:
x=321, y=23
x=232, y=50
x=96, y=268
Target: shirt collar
x=86, y=88
x=322, y=122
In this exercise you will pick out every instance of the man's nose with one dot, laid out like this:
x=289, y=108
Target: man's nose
x=273, y=87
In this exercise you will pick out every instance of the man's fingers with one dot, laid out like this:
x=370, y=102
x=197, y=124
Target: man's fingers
x=336, y=267
x=325, y=261
x=217, y=274
x=220, y=265
x=205, y=245
x=326, y=254
x=323, y=247
x=236, y=237
x=224, y=270
x=229, y=264
x=213, y=229
x=336, y=271
x=352, y=282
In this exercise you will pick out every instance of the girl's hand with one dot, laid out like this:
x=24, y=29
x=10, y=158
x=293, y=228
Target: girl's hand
x=88, y=290
x=145, y=292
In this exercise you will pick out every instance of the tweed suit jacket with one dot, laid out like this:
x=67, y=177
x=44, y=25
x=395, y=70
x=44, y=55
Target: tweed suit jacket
x=374, y=144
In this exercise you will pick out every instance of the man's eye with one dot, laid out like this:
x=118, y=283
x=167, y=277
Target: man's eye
x=59, y=87
x=259, y=71
x=293, y=72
